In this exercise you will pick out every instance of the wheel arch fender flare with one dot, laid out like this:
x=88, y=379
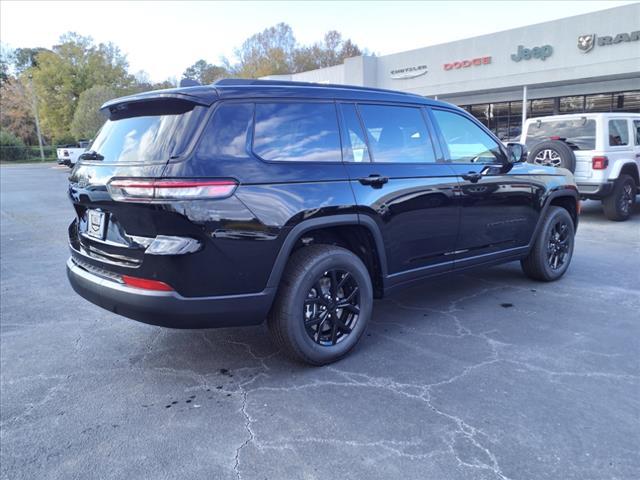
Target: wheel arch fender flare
x=560, y=192
x=626, y=165
x=329, y=221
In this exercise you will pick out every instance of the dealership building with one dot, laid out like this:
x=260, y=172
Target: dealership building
x=586, y=63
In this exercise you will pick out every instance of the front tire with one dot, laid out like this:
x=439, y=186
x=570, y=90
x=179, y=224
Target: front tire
x=553, y=249
x=323, y=305
x=619, y=204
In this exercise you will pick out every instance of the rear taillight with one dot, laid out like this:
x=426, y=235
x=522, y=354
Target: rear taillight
x=147, y=191
x=146, y=284
x=599, y=163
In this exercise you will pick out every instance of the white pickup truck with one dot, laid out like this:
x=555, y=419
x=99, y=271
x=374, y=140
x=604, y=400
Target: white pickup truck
x=68, y=154
x=601, y=149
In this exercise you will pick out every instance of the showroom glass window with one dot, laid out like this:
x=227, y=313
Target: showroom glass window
x=297, y=131
x=466, y=142
x=397, y=134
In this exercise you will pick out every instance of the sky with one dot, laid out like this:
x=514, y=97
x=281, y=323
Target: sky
x=163, y=38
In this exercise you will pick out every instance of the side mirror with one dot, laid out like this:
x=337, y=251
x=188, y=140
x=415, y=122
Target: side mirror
x=516, y=152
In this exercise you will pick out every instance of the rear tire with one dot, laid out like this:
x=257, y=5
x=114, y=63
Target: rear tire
x=551, y=254
x=323, y=305
x=619, y=204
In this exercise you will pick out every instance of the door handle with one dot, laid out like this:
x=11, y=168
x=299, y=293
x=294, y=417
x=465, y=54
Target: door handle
x=375, y=181
x=472, y=177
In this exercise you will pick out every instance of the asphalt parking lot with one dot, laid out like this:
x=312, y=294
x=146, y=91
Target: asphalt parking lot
x=485, y=375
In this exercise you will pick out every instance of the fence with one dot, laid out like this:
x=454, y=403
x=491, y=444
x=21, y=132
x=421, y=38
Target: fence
x=26, y=153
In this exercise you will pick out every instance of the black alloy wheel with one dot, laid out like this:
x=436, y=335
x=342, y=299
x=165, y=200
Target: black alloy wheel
x=559, y=244
x=332, y=307
x=618, y=206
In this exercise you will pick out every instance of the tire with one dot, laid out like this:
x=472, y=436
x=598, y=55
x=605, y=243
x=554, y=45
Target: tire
x=619, y=204
x=553, y=153
x=302, y=297
x=539, y=264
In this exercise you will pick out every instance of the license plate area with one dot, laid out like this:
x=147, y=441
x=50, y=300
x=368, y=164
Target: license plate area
x=96, y=223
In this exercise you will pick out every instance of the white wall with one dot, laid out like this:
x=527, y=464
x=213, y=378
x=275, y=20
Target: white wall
x=566, y=65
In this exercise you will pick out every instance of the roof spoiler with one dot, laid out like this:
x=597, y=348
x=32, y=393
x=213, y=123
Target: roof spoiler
x=188, y=97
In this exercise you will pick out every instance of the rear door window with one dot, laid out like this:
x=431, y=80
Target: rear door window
x=397, y=134
x=618, y=133
x=298, y=132
x=578, y=133
x=152, y=131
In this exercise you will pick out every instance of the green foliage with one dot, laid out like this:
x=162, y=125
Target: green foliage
x=11, y=147
x=67, y=139
x=269, y=52
x=16, y=113
x=275, y=51
x=87, y=118
x=72, y=67
x=205, y=73
x=72, y=79
x=6, y=59
x=25, y=58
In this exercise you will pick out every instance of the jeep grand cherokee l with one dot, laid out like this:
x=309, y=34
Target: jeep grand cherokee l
x=227, y=204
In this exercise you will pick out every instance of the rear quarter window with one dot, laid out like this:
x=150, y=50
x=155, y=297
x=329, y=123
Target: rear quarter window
x=226, y=133
x=301, y=132
x=578, y=133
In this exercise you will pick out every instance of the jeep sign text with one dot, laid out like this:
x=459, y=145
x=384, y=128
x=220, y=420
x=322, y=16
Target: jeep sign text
x=542, y=53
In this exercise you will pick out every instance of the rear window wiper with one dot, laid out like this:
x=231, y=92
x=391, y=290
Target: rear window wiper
x=91, y=155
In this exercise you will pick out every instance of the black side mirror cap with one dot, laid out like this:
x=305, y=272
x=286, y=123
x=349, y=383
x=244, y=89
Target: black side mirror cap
x=516, y=152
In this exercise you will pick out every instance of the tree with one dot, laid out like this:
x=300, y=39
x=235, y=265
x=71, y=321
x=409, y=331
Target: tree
x=269, y=52
x=333, y=50
x=25, y=58
x=205, y=73
x=70, y=68
x=7, y=57
x=275, y=51
x=87, y=118
x=16, y=114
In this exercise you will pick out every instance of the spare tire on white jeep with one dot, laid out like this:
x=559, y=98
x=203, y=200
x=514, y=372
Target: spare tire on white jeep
x=553, y=153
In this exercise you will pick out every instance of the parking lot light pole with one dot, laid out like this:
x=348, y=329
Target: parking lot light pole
x=35, y=113
x=524, y=106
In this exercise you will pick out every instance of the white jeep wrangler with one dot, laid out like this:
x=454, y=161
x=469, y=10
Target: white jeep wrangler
x=601, y=149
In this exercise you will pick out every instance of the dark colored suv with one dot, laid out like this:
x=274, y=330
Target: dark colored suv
x=227, y=204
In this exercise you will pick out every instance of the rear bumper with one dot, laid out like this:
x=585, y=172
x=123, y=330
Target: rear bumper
x=595, y=190
x=170, y=309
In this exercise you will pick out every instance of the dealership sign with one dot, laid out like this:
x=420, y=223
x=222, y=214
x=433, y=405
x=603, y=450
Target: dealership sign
x=587, y=42
x=523, y=53
x=475, y=62
x=408, y=72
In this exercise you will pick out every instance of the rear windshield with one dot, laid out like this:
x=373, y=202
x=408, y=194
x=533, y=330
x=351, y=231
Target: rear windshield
x=147, y=135
x=579, y=133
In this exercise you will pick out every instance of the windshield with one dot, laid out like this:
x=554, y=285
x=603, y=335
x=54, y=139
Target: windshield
x=146, y=138
x=578, y=133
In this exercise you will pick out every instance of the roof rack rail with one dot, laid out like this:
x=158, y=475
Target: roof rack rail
x=288, y=83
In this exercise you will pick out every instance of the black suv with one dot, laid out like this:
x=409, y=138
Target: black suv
x=223, y=205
